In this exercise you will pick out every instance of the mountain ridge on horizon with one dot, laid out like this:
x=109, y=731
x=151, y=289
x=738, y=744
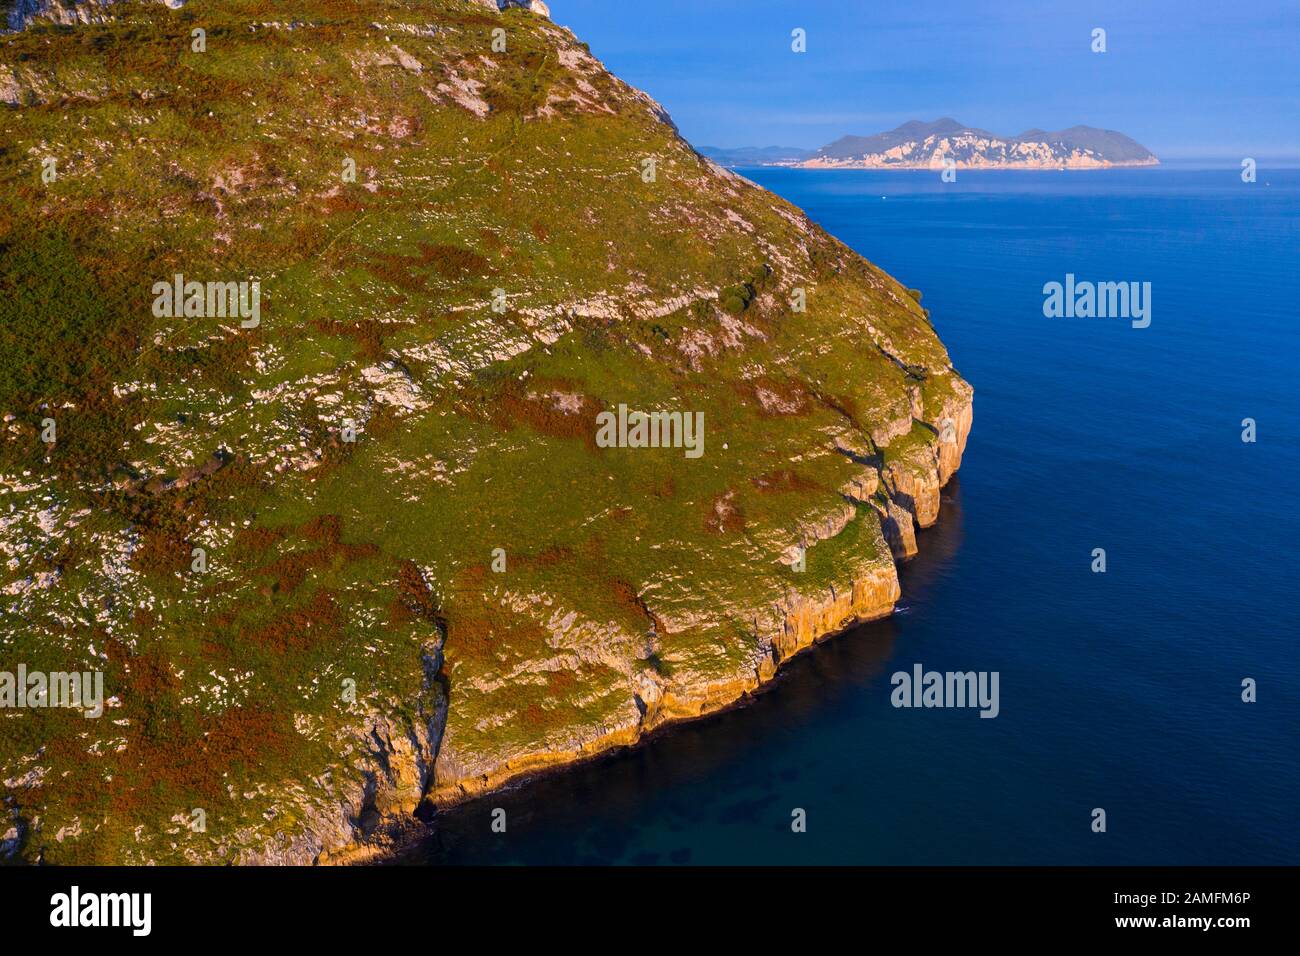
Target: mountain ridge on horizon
x=921, y=144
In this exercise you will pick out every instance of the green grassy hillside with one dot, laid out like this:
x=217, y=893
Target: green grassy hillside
x=501, y=269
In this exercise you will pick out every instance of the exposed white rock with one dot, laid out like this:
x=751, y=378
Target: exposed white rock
x=464, y=92
x=532, y=6
x=10, y=91
x=66, y=12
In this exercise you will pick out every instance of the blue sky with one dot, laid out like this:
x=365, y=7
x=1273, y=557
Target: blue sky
x=1186, y=78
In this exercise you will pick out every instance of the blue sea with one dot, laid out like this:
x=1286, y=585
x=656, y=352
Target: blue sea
x=1119, y=690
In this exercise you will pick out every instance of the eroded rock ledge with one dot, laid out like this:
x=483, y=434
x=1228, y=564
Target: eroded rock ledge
x=375, y=817
x=909, y=498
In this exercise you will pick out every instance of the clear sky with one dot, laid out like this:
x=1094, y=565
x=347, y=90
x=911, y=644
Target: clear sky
x=1186, y=78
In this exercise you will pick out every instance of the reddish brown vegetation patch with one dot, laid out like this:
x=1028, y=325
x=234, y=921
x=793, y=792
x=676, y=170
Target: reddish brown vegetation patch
x=174, y=755
x=299, y=628
x=167, y=516
x=291, y=569
x=257, y=539
x=414, y=600
x=562, y=682
x=777, y=396
x=470, y=637
x=783, y=479
x=141, y=677
x=628, y=599
x=533, y=715
x=198, y=761
x=482, y=632
x=411, y=272
x=342, y=202
x=239, y=737
x=665, y=488
x=162, y=550
x=549, y=557
x=453, y=262
x=366, y=333
x=555, y=407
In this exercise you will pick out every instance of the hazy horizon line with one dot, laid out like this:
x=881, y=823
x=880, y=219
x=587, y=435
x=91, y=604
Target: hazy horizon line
x=1182, y=153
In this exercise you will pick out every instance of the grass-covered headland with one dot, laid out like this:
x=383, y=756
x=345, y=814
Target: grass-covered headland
x=368, y=550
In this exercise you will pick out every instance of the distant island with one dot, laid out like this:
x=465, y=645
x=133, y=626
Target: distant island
x=921, y=145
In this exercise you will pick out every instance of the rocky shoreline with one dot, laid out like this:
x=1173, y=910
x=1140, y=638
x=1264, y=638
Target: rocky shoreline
x=379, y=822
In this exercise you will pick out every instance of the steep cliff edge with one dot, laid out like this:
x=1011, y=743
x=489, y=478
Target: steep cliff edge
x=308, y=331
x=864, y=586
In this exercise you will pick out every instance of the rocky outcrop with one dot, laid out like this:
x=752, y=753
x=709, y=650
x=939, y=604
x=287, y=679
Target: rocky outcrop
x=10, y=90
x=913, y=483
x=914, y=474
x=370, y=811
x=532, y=6
x=900, y=501
x=952, y=422
x=897, y=526
x=67, y=12
x=793, y=626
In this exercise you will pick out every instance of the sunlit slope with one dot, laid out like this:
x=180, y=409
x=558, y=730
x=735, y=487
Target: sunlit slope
x=369, y=548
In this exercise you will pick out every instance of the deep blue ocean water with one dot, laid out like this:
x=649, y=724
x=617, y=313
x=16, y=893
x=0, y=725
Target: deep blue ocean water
x=1119, y=690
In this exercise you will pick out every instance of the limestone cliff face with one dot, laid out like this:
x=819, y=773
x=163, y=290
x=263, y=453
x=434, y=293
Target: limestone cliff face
x=25, y=12
x=372, y=814
x=898, y=527
x=365, y=811
x=363, y=815
x=869, y=590
x=914, y=475
x=867, y=594
x=953, y=420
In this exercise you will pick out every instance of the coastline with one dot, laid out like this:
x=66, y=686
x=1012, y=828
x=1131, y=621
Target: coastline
x=873, y=596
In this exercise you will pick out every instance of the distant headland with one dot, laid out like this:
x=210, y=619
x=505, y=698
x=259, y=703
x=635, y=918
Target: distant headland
x=921, y=145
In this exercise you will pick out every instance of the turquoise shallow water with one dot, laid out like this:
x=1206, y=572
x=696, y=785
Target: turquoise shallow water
x=1118, y=690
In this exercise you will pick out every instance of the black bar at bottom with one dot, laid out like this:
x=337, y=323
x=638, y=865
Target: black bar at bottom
x=368, y=905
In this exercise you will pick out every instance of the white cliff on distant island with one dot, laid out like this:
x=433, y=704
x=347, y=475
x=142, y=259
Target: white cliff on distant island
x=946, y=142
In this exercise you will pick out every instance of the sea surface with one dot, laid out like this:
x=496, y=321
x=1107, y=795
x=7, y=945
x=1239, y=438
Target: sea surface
x=1119, y=690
